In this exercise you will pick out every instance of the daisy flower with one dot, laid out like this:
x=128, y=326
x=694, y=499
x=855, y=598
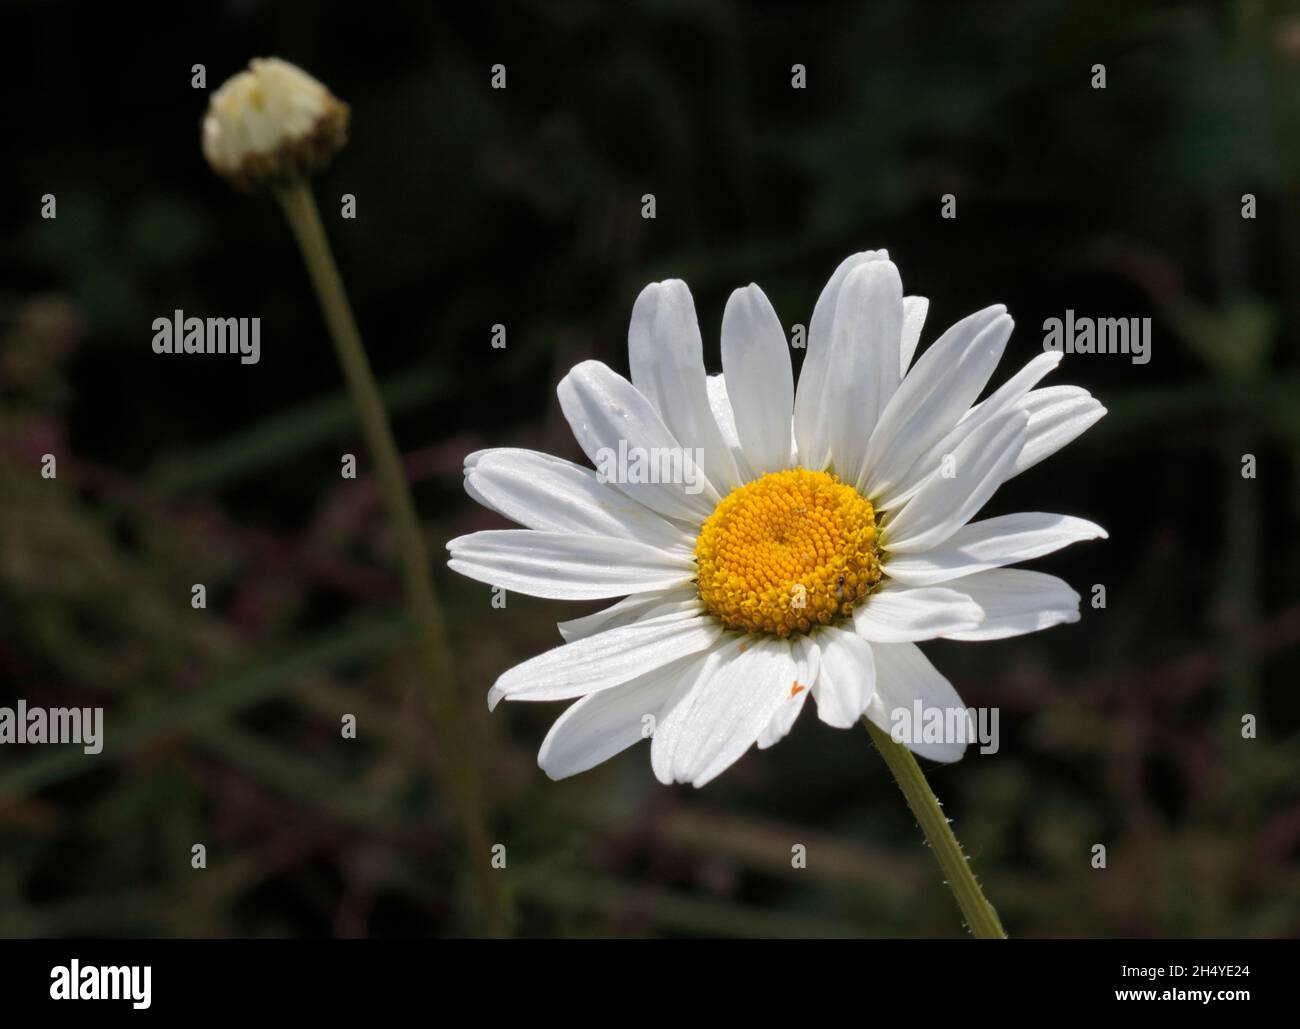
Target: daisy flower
x=807, y=539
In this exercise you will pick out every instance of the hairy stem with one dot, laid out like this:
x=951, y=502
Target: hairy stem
x=979, y=913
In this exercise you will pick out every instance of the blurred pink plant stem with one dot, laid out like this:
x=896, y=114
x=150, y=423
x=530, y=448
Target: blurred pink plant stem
x=460, y=770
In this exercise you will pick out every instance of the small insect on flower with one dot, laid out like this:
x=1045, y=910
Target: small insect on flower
x=831, y=534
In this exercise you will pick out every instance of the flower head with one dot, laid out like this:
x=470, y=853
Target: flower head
x=271, y=124
x=787, y=552
x=831, y=531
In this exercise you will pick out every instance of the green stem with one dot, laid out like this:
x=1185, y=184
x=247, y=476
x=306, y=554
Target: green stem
x=459, y=769
x=979, y=913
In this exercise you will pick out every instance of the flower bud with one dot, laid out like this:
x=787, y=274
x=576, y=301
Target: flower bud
x=271, y=125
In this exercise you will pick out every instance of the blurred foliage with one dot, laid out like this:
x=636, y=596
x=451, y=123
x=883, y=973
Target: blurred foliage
x=522, y=207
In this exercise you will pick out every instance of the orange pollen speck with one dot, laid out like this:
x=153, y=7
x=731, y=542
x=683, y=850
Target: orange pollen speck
x=796, y=688
x=788, y=552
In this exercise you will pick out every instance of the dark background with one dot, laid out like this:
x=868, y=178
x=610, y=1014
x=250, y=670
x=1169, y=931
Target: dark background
x=523, y=207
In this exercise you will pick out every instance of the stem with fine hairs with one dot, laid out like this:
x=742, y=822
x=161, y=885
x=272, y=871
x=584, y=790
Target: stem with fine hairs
x=980, y=915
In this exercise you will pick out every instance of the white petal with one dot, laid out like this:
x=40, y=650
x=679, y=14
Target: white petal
x=603, y=724
x=992, y=543
x=756, y=362
x=561, y=566
x=553, y=495
x=811, y=413
x=733, y=708
x=899, y=614
x=782, y=720
x=1057, y=416
x=604, y=660
x=807, y=659
x=980, y=463
x=720, y=402
x=602, y=409
x=914, y=311
x=1016, y=601
x=903, y=676
x=1010, y=393
x=934, y=396
x=684, y=601
x=478, y=497
x=864, y=370
x=846, y=680
x=1003, y=399
x=675, y=716
x=666, y=356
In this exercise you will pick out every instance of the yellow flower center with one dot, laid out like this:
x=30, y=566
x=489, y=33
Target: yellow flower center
x=787, y=552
